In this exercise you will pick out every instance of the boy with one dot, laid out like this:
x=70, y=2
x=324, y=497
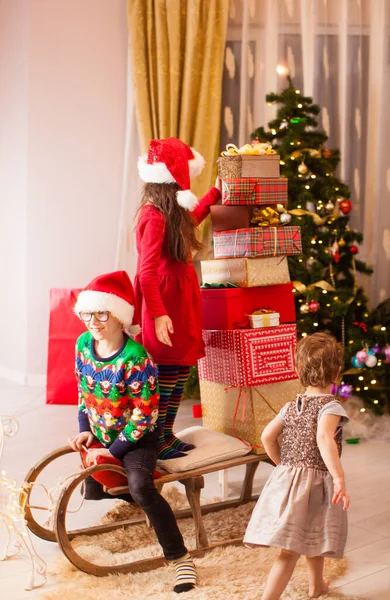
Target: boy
x=118, y=406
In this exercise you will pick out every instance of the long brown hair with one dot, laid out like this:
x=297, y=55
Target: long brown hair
x=180, y=226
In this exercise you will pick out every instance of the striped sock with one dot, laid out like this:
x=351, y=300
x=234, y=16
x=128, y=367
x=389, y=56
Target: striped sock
x=167, y=377
x=186, y=578
x=173, y=406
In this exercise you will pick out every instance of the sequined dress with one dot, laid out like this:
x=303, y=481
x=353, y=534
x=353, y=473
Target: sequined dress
x=295, y=509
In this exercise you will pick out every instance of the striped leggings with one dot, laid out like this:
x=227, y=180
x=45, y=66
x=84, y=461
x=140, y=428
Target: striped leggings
x=172, y=380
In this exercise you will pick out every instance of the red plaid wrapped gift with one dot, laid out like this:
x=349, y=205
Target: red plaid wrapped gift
x=262, y=241
x=269, y=190
x=249, y=357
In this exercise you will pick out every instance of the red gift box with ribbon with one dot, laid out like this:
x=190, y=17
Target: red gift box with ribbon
x=226, y=308
x=249, y=357
x=255, y=191
x=253, y=242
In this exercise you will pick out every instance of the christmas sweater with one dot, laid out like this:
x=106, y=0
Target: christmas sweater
x=118, y=396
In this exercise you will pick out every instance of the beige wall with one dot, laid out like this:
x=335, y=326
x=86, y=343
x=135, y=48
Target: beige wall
x=62, y=135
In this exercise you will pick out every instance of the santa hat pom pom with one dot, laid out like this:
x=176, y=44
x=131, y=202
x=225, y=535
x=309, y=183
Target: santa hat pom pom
x=133, y=330
x=186, y=199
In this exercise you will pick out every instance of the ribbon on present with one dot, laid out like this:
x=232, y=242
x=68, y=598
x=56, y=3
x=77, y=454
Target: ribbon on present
x=257, y=149
x=241, y=391
x=266, y=217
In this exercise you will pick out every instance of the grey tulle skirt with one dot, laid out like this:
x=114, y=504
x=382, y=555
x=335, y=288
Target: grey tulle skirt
x=295, y=512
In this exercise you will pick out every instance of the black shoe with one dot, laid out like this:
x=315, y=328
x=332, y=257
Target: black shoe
x=94, y=491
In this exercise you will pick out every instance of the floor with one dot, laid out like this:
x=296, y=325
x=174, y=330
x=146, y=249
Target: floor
x=45, y=427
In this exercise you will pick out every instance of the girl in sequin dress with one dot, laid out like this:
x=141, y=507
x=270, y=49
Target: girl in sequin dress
x=302, y=507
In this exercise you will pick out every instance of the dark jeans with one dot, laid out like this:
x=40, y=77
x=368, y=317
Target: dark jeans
x=139, y=465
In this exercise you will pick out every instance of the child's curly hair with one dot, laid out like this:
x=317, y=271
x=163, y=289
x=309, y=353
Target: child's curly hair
x=319, y=358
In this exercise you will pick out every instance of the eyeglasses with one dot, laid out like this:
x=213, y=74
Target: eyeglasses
x=101, y=316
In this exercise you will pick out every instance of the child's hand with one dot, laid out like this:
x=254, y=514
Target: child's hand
x=340, y=493
x=85, y=437
x=164, y=327
x=92, y=455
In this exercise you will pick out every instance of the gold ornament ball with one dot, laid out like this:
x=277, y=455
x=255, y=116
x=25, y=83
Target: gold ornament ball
x=302, y=168
x=304, y=309
x=329, y=206
x=342, y=242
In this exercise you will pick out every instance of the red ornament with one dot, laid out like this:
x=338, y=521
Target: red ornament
x=314, y=306
x=353, y=249
x=336, y=257
x=327, y=153
x=346, y=207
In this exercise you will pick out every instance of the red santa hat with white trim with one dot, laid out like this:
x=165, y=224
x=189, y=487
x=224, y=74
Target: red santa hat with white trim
x=171, y=161
x=112, y=292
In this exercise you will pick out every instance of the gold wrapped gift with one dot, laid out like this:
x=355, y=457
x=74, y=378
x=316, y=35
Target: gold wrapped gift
x=254, y=408
x=246, y=272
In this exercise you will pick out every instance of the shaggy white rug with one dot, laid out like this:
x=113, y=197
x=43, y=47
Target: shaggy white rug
x=233, y=572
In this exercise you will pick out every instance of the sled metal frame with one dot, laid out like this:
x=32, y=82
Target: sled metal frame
x=193, y=482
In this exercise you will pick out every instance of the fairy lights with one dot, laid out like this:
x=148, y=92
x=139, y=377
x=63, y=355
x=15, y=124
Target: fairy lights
x=12, y=514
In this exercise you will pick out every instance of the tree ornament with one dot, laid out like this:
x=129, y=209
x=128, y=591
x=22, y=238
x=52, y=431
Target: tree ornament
x=329, y=206
x=334, y=249
x=314, y=306
x=362, y=356
x=327, y=153
x=342, y=242
x=314, y=153
x=356, y=363
x=304, y=308
x=285, y=218
x=310, y=206
x=345, y=390
x=387, y=354
x=376, y=348
x=353, y=249
x=302, y=168
x=284, y=124
x=371, y=360
x=345, y=206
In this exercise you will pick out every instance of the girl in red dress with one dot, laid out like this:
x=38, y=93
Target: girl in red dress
x=166, y=285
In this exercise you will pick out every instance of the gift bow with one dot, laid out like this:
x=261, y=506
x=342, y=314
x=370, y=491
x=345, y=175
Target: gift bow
x=266, y=217
x=248, y=149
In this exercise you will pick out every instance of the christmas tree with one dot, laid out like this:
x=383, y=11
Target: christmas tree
x=328, y=296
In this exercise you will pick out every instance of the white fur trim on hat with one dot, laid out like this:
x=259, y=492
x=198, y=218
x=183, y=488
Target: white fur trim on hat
x=133, y=330
x=186, y=199
x=158, y=172
x=92, y=301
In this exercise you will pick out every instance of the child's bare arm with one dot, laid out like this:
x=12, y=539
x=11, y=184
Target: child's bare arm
x=328, y=448
x=269, y=438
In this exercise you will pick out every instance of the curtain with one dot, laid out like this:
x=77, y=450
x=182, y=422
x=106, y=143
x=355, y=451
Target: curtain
x=126, y=256
x=338, y=52
x=177, y=51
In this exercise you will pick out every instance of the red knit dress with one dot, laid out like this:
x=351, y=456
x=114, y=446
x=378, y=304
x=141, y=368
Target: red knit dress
x=164, y=286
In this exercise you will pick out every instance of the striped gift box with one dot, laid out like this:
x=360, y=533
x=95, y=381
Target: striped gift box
x=261, y=241
x=255, y=191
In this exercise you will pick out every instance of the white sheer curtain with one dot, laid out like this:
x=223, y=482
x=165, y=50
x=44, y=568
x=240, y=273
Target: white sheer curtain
x=338, y=52
x=126, y=254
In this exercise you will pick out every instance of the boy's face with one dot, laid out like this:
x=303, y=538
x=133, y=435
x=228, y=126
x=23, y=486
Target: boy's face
x=104, y=330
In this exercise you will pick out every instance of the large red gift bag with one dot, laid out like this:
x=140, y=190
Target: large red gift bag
x=64, y=329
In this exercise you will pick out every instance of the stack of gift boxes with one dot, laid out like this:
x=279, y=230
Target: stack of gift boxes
x=249, y=328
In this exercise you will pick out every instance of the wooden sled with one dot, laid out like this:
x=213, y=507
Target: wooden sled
x=193, y=482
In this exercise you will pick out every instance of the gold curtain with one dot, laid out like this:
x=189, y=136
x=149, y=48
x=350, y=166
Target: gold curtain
x=177, y=51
